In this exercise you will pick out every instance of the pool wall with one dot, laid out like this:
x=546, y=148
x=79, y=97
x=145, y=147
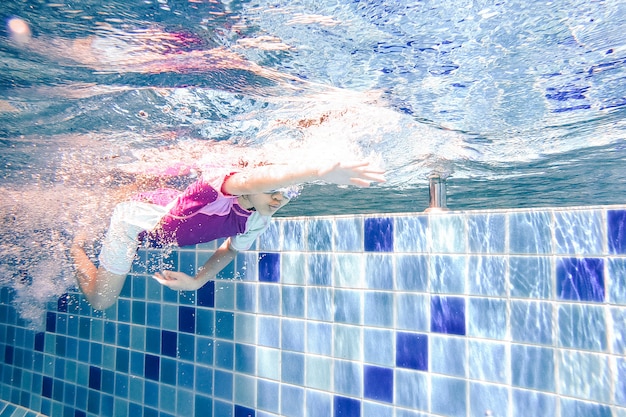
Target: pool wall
x=482, y=313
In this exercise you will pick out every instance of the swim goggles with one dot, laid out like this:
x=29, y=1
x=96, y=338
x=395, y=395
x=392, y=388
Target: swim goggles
x=290, y=192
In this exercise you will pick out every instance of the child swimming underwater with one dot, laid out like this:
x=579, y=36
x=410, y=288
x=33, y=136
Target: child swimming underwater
x=233, y=204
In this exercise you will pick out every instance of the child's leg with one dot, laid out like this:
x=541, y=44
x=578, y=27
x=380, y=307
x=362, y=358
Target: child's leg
x=101, y=287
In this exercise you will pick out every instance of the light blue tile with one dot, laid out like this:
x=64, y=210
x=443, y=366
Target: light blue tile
x=224, y=355
x=371, y=409
x=293, y=338
x=488, y=400
x=269, y=299
x=489, y=361
x=411, y=389
x=487, y=318
x=531, y=322
x=318, y=371
x=225, y=294
x=269, y=331
x=486, y=233
x=448, y=233
x=487, y=275
x=270, y=239
x=378, y=346
x=617, y=280
x=292, y=368
x=618, y=340
x=245, y=328
x=533, y=403
x=169, y=317
x=411, y=234
x=245, y=358
x=582, y=327
x=293, y=235
x=348, y=342
x=293, y=301
x=292, y=268
x=411, y=272
x=579, y=231
x=247, y=266
x=320, y=303
x=319, y=338
x=447, y=355
x=413, y=312
x=268, y=396
x=268, y=363
x=531, y=277
x=573, y=365
x=320, y=235
x=533, y=367
x=318, y=404
x=246, y=296
x=378, y=309
x=529, y=232
x=292, y=399
x=204, y=350
x=348, y=234
x=348, y=271
x=348, y=306
x=245, y=394
x=574, y=408
x=348, y=378
x=448, y=274
x=379, y=271
x=320, y=269
x=619, y=379
x=448, y=396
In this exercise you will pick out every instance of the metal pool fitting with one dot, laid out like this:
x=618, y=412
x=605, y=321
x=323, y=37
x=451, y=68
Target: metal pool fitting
x=437, y=192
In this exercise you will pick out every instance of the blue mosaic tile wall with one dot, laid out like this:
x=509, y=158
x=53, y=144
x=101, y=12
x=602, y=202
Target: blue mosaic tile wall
x=499, y=313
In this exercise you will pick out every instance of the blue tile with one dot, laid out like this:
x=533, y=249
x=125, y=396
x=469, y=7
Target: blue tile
x=246, y=299
x=292, y=399
x=582, y=327
x=292, y=370
x=224, y=355
x=616, y=223
x=411, y=272
x=580, y=279
x=94, y=377
x=529, y=365
x=531, y=322
x=487, y=275
x=348, y=235
x=346, y=407
x=205, y=322
x=223, y=384
x=293, y=235
x=241, y=411
x=187, y=319
x=619, y=379
x=530, y=232
x=320, y=269
x=152, y=367
x=320, y=304
x=153, y=340
x=293, y=301
x=348, y=306
x=185, y=375
x=292, y=335
x=269, y=267
x=186, y=347
x=447, y=315
x=205, y=296
x=486, y=233
x=169, y=343
x=378, y=234
x=318, y=404
x=412, y=351
x=379, y=271
x=348, y=378
x=204, y=380
x=187, y=262
x=489, y=361
x=531, y=403
x=268, y=395
x=320, y=233
x=225, y=325
x=378, y=383
x=531, y=277
x=245, y=358
x=46, y=387
x=378, y=309
x=203, y=405
x=448, y=273
x=574, y=408
x=269, y=299
x=269, y=331
x=448, y=396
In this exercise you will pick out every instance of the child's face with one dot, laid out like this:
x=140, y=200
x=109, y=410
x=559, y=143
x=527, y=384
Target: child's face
x=268, y=203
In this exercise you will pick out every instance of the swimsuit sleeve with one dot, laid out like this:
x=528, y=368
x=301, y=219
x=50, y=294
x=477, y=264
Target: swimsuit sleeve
x=255, y=226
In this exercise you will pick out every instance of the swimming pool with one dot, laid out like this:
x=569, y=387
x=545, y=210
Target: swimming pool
x=370, y=307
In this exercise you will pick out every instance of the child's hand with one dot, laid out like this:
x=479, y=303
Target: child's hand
x=178, y=281
x=361, y=174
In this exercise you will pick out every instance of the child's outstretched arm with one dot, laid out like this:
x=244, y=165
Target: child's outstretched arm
x=270, y=177
x=179, y=281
